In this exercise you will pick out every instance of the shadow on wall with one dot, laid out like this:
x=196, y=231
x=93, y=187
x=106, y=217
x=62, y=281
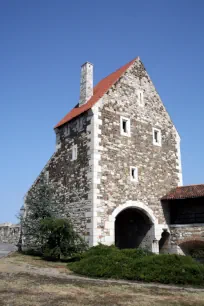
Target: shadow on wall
x=164, y=243
x=133, y=229
x=194, y=248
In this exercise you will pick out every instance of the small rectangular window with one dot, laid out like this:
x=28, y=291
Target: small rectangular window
x=74, y=152
x=58, y=138
x=156, y=137
x=134, y=174
x=46, y=176
x=140, y=97
x=67, y=130
x=125, y=126
x=80, y=124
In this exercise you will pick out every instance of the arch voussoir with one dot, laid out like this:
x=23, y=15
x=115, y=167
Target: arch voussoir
x=140, y=206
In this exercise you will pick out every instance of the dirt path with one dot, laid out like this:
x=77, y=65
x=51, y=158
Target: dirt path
x=6, y=248
x=27, y=280
x=33, y=265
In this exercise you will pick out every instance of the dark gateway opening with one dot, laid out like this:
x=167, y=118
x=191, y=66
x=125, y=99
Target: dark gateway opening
x=132, y=229
x=187, y=211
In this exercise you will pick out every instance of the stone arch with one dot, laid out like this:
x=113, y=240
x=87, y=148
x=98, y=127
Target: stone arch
x=192, y=246
x=194, y=239
x=155, y=229
x=135, y=204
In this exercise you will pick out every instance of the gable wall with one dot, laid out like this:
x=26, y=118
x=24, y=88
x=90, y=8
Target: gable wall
x=158, y=167
x=71, y=179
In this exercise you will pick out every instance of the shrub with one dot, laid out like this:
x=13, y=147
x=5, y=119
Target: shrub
x=104, y=250
x=197, y=253
x=136, y=253
x=61, y=239
x=40, y=204
x=136, y=264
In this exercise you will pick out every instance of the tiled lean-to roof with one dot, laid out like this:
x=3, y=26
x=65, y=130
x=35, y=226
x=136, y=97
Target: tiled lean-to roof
x=184, y=192
x=99, y=90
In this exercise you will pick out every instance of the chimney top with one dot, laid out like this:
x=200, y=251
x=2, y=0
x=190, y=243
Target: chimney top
x=86, y=83
x=87, y=63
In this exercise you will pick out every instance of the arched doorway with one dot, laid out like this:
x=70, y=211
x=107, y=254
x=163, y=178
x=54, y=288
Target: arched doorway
x=133, y=229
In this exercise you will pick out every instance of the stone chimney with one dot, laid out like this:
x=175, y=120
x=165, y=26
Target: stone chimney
x=86, y=83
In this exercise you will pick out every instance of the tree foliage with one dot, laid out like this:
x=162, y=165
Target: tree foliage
x=39, y=204
x=44, y=231
x=61, y=239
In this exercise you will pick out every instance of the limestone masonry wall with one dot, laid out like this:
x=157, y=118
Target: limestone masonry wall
x=158, y=167
x=92, y=187
x=185, y=233
x=70, y=178
x=9, y=233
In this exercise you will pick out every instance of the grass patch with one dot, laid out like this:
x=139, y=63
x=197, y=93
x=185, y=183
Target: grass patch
x=22, y=286
x=110, y=262
x=18, y=258
x=39, y=290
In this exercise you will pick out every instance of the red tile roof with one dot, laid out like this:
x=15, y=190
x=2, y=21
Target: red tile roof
x=184, y=192
x=99, y=90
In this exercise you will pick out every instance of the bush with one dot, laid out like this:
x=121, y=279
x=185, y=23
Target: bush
x=197, y=253
x=60, y=238
x=137, y=264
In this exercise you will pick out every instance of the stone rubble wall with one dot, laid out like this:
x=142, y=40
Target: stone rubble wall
x=93, y=186
x=181, y=234
x=71, y=179
x=158, y=167
x=9, y=233
x=185, y=233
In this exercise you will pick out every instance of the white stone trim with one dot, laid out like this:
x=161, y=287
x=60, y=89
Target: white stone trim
x=135, y=204
x=180, y=176
x=157, y=229
x=95, y=157
x=74, y=152
x=58, y=140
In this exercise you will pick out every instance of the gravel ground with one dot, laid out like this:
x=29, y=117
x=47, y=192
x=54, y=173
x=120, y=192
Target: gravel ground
x=6, y=248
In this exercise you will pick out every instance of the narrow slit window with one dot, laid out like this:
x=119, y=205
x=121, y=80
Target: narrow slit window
x=74, y=152
x=67, y=130
x=140, y=97
x=134, y=174
x=156, y=137
x=125, y=126
x=46, y=176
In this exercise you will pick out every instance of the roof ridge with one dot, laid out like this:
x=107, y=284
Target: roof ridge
x=99, y=90
x=184, y=192
x=190, y=185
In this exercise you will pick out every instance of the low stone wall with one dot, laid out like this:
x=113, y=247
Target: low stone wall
x=9, y=233
x=186, y=233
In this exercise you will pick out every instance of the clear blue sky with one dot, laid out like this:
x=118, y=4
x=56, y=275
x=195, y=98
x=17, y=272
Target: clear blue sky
x=44, y=42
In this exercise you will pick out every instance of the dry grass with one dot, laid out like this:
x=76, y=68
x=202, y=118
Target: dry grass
x=19, y=286
x=19, y=258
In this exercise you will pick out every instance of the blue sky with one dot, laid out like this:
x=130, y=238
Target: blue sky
x=44, y=43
